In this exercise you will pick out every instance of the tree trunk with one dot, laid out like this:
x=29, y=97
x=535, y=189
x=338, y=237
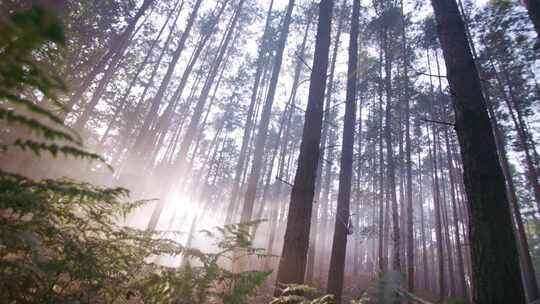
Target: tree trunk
x=292, y=265
x=496, y=271
x=191, y=131
x=259, y=72
x=140, y=69
x=408, y=161
x=341, y=230
x=262, y=132
x=390, y=169
x=436, y=193
x=462, y=283
x=142, y=137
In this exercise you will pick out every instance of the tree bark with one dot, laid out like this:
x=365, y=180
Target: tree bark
x=496, y=271
x=341, y=230
x=292, y=265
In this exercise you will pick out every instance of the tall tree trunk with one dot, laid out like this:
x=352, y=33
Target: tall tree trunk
x=193, y=126
x=324, y=170
x=162, y=126
x=140, y=106
x=390, y=170
x=181, y=160
x=142, y=137
x=292, y=265
x=462, y=283
x=408, y=161
x=425, y=265
x=262, y=132
x=140, y=69
x=382, y=247
x=341, y=230
x=496, y=271
x=451, y=275
x=262, y=53
x=436, y=193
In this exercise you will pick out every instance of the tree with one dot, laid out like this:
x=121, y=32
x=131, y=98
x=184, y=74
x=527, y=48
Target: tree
x=292, y=264
x=496, y=271
x=262, y=132
x=342, y=224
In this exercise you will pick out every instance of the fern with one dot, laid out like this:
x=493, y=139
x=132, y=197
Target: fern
x=21, y=36
x=302, y=294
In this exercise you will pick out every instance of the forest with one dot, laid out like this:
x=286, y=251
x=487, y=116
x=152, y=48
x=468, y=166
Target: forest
x=269, y=151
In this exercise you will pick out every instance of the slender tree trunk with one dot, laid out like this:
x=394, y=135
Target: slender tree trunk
x=341, y=230
x=436, y=194
x=140, y=104
x=142, y=137
x=249, y=117
x=165, y=120
x=262, y=132
x=191, y=131
x=324, y=170
x=294, y=256
x=408, y=161
x=425, y=265
x=391, y=174
x=205, y=92
x=382, y=248
x=496, y=271
x=140, y=69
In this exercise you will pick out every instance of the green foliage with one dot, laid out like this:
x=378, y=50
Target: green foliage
x=206, y=281
x=23, y=37
x=60, y=242
x=302, y=294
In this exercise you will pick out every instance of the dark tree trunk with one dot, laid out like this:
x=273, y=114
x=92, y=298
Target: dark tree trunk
x=533, y=8
x=529, y=276
x=496, y=271
x=292, y=265
x=341, y=230
x=425, y=265
x=324, y=170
